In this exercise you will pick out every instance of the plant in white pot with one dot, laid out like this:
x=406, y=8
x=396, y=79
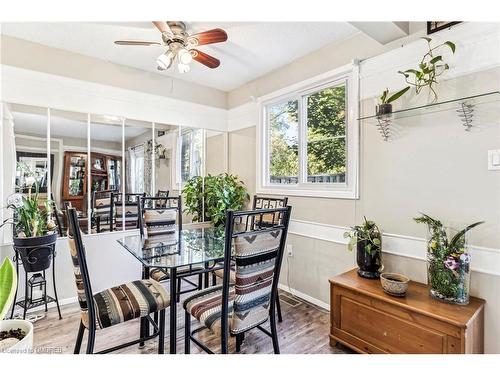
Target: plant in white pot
x=16, y=335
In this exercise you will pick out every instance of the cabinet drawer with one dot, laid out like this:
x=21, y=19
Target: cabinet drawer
x=387, y=332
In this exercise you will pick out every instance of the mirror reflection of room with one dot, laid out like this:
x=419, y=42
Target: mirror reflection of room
x=105, y=171
x=104, y=183
x=68, y=148
x=25, y=154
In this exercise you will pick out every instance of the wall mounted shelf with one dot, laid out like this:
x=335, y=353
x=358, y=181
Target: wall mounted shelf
x=463, y=107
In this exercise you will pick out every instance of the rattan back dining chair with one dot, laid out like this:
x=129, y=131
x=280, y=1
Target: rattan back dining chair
x=136, y=299
x=233, y=309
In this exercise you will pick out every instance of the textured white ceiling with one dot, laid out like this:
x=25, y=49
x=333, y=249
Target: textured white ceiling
x=252, y=49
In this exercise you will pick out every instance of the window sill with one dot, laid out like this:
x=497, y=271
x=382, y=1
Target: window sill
x=318, y=193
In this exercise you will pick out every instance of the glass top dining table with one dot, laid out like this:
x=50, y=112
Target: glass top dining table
x=192, y=247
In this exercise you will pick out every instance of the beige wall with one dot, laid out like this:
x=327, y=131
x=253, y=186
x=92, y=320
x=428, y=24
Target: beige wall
x=215, y=154
x=242, y=156
x=432, y=165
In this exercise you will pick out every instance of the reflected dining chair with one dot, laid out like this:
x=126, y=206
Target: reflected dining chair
x=162, y=221
x=102, y=210
x=265, y=220
x=110, y=307
x=130, y=210
x=233, y=309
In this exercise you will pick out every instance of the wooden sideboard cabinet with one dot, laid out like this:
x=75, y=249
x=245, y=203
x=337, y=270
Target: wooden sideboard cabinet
x=368, y=320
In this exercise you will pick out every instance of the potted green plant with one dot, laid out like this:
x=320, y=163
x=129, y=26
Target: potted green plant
x=431, y=66
x=213, y=195
x=16, y=335
x=34, y=231
x=448, y=261
x=368, y=241
x=385, y=105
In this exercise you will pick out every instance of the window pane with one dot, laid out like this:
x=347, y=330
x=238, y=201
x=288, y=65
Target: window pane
x=284, y=143
x=326, y=143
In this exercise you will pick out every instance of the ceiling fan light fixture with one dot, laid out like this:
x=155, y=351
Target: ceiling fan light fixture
x=164, y=61
x=185, y=56
x=183, y=68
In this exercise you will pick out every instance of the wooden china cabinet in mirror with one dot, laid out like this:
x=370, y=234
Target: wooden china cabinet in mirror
x=105, y=175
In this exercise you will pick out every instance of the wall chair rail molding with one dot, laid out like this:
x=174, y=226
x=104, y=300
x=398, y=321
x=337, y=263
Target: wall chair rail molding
x=30, y=87
x=484, y=260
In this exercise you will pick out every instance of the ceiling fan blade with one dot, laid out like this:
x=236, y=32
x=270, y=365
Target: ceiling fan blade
x=163, y=27
x=205, y=59
x=208, y=37
x=136, y=43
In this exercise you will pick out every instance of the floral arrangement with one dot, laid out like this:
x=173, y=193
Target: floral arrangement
x=448, y=261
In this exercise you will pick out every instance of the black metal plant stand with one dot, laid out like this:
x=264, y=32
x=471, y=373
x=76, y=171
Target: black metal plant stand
x=37, y=280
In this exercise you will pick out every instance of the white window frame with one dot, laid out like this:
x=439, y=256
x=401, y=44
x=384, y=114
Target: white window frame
x=348, y=190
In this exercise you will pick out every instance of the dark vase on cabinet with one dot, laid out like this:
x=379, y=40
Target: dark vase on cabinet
x=369, y=263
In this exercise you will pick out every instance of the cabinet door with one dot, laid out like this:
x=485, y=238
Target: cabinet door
x=75, y=182
x=387, y=332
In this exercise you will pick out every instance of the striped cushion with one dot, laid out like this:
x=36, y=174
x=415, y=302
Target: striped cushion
x=102, y=207
x=220, y=272
x=119, y=304
x=255, y=256
x=206, y=306
x=160, y=226
x=162, y=274
x=129, y=301
x=131, y=215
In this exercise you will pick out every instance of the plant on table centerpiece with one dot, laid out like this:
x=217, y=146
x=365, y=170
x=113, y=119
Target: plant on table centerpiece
x=368, y=241
x=213, y=195
x=448, y=261
x=385, y=105
x=431, y=66
x=15, y=335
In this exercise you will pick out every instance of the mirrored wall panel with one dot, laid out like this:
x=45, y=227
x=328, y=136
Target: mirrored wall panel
x=106, y=171
x=103, y=165
x=69, y=150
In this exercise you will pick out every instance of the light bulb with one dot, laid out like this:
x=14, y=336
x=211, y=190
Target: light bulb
x=183, y=68
x=185, y=56
x=164, y=61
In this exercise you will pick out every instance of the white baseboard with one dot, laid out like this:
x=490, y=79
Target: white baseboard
x=305, y=297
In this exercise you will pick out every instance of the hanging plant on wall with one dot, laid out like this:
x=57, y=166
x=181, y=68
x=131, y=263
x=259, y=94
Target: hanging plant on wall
x=431, y=66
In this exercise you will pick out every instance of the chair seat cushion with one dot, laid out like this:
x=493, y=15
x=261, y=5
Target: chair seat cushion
x=128, y=301
x=206, y=307
x=220, y=273
x=161, y=274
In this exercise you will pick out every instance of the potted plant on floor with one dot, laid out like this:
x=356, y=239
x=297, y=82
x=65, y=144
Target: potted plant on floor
x=16, y=335
x=448, y=261
x=368, y=241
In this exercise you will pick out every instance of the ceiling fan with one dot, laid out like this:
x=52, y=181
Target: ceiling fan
x=181, y=46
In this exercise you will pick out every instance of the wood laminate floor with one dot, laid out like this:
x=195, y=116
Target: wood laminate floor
x=304, y=330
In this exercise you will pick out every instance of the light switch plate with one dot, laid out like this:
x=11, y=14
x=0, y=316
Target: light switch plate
x=494, y=160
